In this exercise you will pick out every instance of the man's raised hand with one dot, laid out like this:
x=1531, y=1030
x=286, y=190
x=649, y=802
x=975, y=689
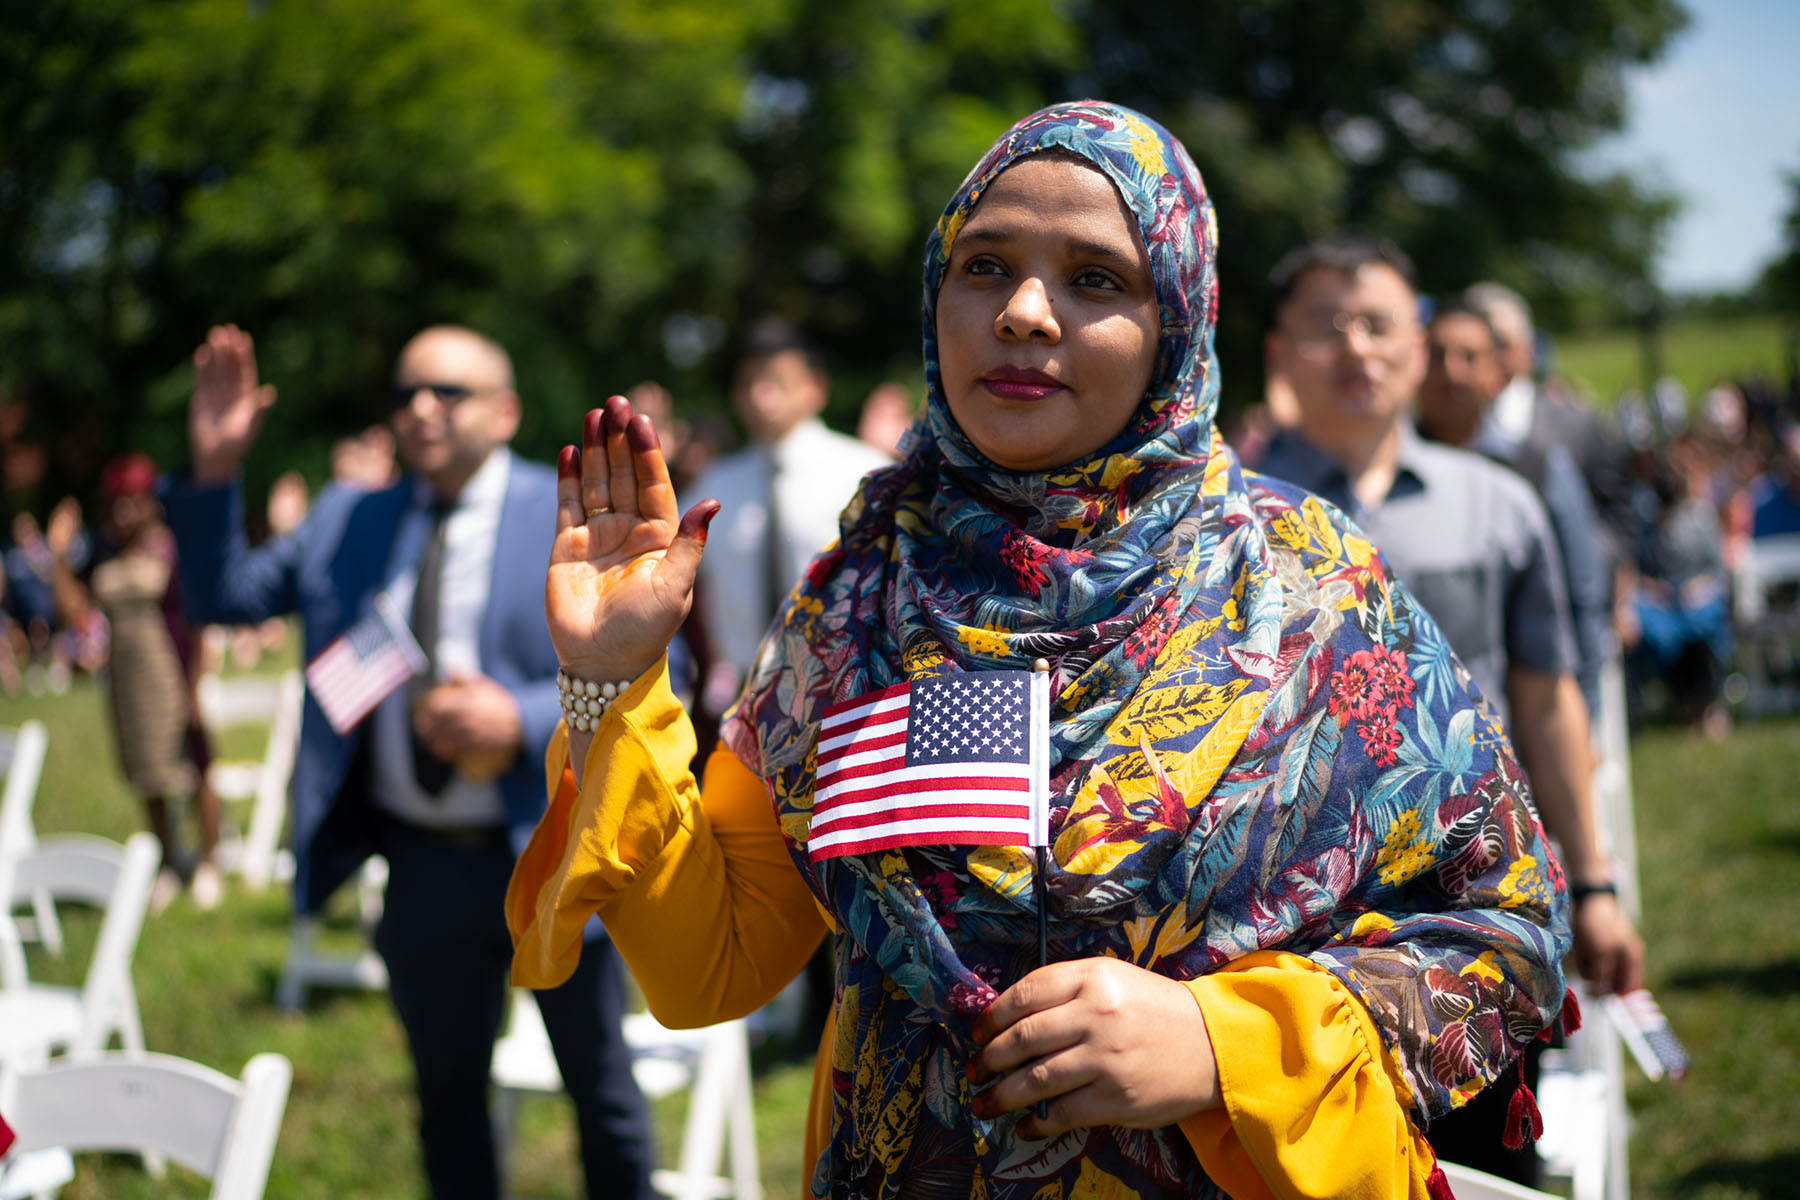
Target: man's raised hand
x=228, y=404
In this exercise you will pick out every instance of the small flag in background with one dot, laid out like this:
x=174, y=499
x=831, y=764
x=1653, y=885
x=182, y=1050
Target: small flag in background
x=1647, y=1034
x=362, y=667
x=955, y=760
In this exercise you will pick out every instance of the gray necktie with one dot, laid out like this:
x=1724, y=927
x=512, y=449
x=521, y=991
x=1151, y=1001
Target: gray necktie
x=431, y=771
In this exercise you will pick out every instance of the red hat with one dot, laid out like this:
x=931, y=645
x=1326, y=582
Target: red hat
x=128, y=475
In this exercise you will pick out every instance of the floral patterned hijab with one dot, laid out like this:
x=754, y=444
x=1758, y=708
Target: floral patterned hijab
x=1258, y=742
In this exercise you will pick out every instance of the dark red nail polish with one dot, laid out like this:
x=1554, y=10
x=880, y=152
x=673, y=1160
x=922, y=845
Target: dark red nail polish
x=590, y=428
x=569, y=461
x=642, y=433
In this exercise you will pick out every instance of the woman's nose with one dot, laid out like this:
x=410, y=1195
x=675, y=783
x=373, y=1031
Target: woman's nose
x=1029, y=313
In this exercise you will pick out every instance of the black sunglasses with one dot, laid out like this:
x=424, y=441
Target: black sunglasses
x=447, y=394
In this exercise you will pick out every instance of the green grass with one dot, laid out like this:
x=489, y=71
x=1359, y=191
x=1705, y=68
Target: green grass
x=1719, y=838
x=205, y=982
x=1719, y=847
x=1699, y=352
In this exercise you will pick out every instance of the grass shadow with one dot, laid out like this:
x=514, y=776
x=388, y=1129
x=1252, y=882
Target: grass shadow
x=1770, y=1176
x=1766, y=979
x=1787, y=841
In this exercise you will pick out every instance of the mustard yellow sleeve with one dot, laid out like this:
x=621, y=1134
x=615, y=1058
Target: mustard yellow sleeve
x=694, y=884
x=1312, y=1104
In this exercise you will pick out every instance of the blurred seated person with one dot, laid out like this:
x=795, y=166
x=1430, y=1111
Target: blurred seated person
x=1775, y=496
x=1677, y=617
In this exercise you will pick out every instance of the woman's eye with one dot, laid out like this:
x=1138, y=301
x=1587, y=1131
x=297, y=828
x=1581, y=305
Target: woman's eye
x=983, y=266
x=1096, y=279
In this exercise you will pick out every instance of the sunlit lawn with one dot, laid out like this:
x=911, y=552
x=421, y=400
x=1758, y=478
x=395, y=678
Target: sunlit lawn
x=1699, y=352
x=1719, y=830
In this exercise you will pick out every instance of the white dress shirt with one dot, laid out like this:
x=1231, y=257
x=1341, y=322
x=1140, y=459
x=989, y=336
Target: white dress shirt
x=468, y=569
x=816, y=473
x=1508, y=419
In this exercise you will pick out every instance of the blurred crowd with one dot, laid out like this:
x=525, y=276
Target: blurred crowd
x=94, y=592
x=1680, y=492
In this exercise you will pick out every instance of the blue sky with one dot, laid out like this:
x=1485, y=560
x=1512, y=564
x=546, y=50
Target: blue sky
x=1718, y=121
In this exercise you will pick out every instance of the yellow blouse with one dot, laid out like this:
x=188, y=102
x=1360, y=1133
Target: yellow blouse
x=695, y=885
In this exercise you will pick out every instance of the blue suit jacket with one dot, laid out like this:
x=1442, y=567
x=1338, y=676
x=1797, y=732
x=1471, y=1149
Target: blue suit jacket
x=330, y=571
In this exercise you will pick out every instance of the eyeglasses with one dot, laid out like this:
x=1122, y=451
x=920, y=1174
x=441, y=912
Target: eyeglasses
x=447, y=394
x=1323, y=334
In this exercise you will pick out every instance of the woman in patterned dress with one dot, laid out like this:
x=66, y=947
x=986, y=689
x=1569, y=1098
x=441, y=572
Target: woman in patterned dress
x=1297, y=900
x=150, y=662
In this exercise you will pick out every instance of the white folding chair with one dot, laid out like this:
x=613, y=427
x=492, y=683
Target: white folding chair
x=155, y=1104
x=1768, y=633
x=1470, y=1184
x=1581, y=1094
x=37, y=1018
x=22, y=753
x=308, y=966
x=1615, y=814
x=256, y=700
x=713, y=1063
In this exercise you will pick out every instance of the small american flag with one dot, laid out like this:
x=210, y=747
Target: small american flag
x=955, y=760
x=1647, y=1034
x=362, y=666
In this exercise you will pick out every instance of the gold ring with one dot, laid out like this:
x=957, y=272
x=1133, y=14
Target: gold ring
x=598, y=510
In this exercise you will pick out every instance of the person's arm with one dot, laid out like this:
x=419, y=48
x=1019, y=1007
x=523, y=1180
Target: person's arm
x=223, y=581
x=1311, y=1102
x=695, y=886
x=71, y=596
x=1550, y=732
x=1584, y=561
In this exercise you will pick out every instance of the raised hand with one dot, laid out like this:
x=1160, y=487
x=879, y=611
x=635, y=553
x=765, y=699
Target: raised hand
x=228, y=404
x=622, y=568
x=63, y=527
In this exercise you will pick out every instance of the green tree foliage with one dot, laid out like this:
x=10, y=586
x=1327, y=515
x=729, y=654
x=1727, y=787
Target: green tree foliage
x=1779, y=285
x=611, y=186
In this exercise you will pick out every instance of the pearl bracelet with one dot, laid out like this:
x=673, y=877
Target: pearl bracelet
x=583, y=700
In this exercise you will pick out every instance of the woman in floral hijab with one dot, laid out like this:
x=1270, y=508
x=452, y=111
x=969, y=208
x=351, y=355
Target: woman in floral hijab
x=1298, y=902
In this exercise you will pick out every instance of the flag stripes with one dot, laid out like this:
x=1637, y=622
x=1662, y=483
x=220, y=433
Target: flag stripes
x=945, y=761
x=362, y=667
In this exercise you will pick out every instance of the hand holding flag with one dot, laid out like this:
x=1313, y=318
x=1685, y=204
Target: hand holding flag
x=362, y=666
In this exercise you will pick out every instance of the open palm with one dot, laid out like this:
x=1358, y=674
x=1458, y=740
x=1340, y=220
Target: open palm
x=228, y=404
x=622, y=568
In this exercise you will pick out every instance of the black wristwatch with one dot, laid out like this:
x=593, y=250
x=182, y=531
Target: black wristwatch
x=1581, y=891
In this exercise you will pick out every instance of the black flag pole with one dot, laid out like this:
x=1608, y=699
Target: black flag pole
x=1040, y=823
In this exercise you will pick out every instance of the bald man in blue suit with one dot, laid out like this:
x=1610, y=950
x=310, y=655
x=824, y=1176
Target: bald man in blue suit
x=445, y=777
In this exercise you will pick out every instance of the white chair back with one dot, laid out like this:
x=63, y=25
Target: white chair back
x=1768, y=626
x=1469, y=1184
x=222, y=1128
x=81, y=868
x=22, y=753
x=262, y=701
x=714, y=1063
